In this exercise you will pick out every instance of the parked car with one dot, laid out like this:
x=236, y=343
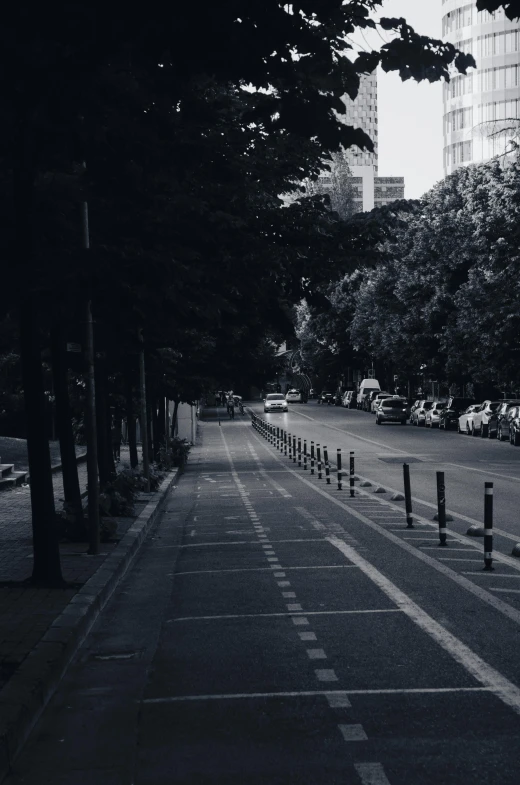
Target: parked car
x=392, y=409
x=376, y=398
x=481, y=417
x=275, y=402
x=294, y=396
x=326, y=397
x=338, y=398
x=350, y=399
x=508, y=427
x=367, y=386
x=454, y=408
x=466, y=418
x=497, y=417
x=433, y=415
x=418, y=415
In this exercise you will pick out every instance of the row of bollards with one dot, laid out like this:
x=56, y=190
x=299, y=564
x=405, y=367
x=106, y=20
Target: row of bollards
x=291, y=446
x=441, y=513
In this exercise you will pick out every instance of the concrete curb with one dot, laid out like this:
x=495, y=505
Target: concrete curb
x=27, y=693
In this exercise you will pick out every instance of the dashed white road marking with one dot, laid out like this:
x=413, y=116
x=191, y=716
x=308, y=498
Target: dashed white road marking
x=353, y=732
x=307, y=636
x=504, y=689
x=505, y=590
x=326, y=674
x=294, y=606
x=316, y=654
x=371, y=774
x=492, y=575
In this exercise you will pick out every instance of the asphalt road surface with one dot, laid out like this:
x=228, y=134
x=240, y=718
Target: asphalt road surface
x=274, y=630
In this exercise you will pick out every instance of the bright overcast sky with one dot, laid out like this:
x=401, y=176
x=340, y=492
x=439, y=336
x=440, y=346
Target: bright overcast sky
x=410, y=114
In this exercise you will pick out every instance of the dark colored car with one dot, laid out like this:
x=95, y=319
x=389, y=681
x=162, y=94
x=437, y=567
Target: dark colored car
x=449, y=416
x=509, y=426
x=498, y=416
x=392, y=410
x=326, y=397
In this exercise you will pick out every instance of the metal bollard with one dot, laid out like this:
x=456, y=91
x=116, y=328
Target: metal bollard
x=488, y=526
x=290, y=446
x=299, y=451
x=327, y=467
x=318, y=458
x=441, y=507
x=407, y=496
x=294, y=449
x=351, y=473
x=305, y=455
x=338, y=459
x=312, y=457
x=285, y=443
x=277, y=437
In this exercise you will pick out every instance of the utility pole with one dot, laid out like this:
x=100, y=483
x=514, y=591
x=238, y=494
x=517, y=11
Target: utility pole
x=144, y=418
x=90, y=412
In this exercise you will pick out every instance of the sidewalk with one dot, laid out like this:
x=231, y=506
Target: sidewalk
x=40, y=629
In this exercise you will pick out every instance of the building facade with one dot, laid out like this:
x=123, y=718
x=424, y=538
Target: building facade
x=368, y=189
x=481, y=109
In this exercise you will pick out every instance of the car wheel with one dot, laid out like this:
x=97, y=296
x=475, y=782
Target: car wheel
x=458, y=428
x=378, y=421
x=491, y=434
x=500, y=435
x=516, y=439
x=483, y=431
x=468, y=432
x=473, y=430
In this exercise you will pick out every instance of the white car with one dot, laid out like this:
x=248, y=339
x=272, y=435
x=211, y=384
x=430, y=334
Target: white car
x=418, y=415
x=376, y=400
x=433, y=415
x=293, y=396
x=481, y=419
x=466, y=419
x=275, y=402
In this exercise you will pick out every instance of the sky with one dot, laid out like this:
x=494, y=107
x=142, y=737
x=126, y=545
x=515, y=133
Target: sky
x=410, y=114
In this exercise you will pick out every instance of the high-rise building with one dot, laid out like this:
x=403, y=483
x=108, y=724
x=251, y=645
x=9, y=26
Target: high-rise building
x=481, y=109
x=368, y=190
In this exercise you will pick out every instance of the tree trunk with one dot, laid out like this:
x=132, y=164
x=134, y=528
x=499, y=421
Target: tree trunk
x=149, y=417
x=105, y=459
x=46, y=565
x=144, y=423
x=131, y=420
x=161, y=416
x=174, y=417
x=73, y=507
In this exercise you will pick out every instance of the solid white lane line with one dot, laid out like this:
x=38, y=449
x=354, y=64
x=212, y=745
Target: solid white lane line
x=353, y=732
x=288, y=613
x=484, y=471
x=504, y=689
x=491, y=574
x=505, y=590
x=329, y=694
x=371, y=774
x=326, y=674
x=263, y=569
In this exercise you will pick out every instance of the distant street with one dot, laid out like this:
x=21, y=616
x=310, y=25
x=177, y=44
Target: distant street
x=276, y=631
x=381, y=451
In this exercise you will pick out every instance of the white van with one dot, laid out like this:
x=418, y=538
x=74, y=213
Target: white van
x=366, y=386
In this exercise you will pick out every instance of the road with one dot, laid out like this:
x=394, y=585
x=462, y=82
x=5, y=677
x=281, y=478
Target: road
x=274, y=630
x=380, y=451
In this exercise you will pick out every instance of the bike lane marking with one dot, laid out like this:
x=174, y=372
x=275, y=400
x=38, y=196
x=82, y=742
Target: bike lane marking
x=488, y=676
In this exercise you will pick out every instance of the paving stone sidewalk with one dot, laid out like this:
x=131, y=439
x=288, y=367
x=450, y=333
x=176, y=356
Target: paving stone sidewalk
x=34, y=639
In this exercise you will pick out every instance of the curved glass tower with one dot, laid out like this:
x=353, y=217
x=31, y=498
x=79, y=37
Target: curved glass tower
x=482, y=109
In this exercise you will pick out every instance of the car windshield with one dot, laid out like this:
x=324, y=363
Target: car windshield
x=493, y=407
x=275, y=397
x=427, y=405
x=460, y=403
x=393, y=403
